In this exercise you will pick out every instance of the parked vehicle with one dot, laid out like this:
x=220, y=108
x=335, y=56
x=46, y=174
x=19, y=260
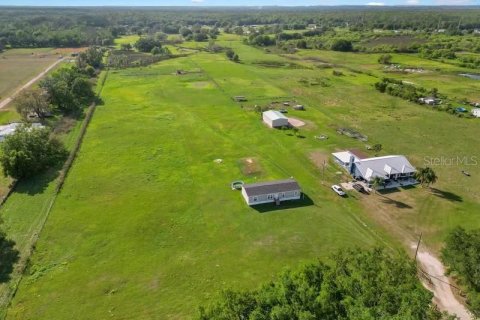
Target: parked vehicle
x=338, y=190
x=360, y=188
x=466, y=173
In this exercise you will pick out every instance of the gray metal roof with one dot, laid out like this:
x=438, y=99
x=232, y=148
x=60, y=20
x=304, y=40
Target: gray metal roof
x=274, y=115
x=257, y=189
x=382, y=166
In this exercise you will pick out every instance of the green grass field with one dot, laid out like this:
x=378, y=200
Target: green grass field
x=130, y=39
x=147, y=227
x=156, y=218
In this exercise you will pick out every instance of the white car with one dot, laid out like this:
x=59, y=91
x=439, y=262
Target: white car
x=338, y=190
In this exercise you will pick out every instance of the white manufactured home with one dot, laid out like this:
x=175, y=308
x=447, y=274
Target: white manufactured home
x=9, y=129
x=275, y=119
x=273, y=191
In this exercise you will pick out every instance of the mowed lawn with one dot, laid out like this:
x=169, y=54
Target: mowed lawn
x=147, y=226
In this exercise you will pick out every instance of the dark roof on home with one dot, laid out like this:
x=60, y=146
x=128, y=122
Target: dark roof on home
x=257, y=189
x=359, y=154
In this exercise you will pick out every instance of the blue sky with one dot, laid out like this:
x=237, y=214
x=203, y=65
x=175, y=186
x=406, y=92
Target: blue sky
x=231, y=2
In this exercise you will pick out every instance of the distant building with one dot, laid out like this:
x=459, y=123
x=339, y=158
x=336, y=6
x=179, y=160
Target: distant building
x=240, y=98
x=275, y=119
x=476, y=112
x=271, y=192
x=395, y=170
x=9, y=129
x=432, y=101
x=312, y=27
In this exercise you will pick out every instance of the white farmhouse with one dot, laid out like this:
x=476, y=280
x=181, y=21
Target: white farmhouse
x=275, y=119
x=476, y=112
x=269, y=192
x=396, y=170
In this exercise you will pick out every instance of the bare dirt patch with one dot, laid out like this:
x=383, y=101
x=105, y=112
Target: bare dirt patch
x=319, y=158
x=69, y=50
x=297, y=123
x=388, y=210
x=250, y=166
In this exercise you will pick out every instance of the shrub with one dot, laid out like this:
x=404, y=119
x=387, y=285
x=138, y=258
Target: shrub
x=351, y=283
x=342, y=45
x=30, y=151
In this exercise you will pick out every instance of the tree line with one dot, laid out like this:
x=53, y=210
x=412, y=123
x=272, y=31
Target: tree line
x=462, y=256
x=351, y=284
x=31, y=149
x=73, y=27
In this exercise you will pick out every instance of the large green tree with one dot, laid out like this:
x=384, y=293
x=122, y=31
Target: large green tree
x=93, y=56
x=68, y=89
x=29, y=151
x=352, y=284
x=146, y=44
x=33, y=101
x=462, y=256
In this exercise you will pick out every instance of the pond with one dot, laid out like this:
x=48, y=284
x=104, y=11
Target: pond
x=471, y=76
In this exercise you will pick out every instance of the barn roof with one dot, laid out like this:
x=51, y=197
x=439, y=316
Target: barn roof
x=274, y=115
x=256, y=189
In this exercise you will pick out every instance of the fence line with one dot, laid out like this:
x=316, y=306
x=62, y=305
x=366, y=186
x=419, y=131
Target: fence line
x=61, y=180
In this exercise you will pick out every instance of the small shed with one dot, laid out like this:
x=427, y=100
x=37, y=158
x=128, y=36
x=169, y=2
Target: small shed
x=271, y=192
x=275, y=119
x=476, y=112
x=299, y=107
x=240, y=98
x=432, y=101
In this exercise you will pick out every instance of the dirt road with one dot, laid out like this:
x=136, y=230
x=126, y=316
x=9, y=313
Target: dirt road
x=9, y=99
x=439, y=284
x=388, y=210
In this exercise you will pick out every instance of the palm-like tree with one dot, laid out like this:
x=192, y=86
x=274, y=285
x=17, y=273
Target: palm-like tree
x=377, y=182
x=426, y=176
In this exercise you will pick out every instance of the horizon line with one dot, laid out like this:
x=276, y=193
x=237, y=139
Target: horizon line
x=246, y=6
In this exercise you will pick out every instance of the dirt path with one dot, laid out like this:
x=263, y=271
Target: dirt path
x=9, y=99
x=439, y=284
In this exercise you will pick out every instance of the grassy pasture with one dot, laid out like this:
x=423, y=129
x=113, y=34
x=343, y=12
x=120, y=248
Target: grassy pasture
x=147, y=226
x=18, y=66
x=129, y=39
x=155, y=222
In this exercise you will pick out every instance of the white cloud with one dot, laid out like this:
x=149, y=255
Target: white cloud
x=197, y=1
x=413, y=2
x=375, y=4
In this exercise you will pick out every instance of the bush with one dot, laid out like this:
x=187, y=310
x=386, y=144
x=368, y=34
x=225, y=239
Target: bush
x=147, y=44
x=352, y=284
x=342, y=45
x=462, y=256
x=30, y=151
x=385, y=59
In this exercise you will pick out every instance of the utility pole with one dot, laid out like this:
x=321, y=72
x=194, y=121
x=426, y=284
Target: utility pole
x=418, y=246
x=323, y=171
